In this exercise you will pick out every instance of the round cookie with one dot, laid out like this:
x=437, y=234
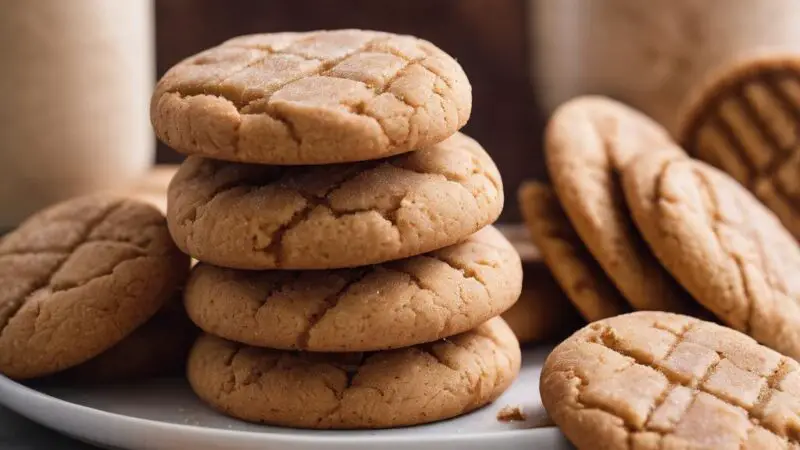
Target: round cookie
x=653, y=380
x=588, y=141
x=324, y=217
x=311, y=98
x=391, y=305
x=78, y=277
x=725, y=247
x=578, y=274
x=157, y=348
x=393, y=388
x=744, y=121
x=543, y=311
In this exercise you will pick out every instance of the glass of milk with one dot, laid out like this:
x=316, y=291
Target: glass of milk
x=76, y=78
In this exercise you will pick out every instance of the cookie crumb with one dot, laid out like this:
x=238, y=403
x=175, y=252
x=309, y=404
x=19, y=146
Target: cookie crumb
x=511, y=413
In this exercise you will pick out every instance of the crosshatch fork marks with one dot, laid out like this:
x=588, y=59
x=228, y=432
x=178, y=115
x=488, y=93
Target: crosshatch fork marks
x=771, y=80
x=605, y=335
x=18, y=303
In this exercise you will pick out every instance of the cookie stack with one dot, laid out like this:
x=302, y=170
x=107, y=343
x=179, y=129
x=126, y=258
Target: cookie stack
x=349, y=276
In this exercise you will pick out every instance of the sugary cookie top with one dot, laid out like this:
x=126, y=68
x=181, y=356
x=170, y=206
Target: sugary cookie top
x=311, y=98
x=652, y=380
x=421, y=299
x=345, y=215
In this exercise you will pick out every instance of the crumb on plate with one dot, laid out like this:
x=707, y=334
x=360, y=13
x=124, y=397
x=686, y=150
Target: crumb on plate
x=511, y=413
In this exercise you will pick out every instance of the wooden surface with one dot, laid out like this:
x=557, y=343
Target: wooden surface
x=488, y=37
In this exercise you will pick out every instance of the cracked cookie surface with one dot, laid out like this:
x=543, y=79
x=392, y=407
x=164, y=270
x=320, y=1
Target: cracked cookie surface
x=654, y=380
x=588, y=142
x=250, y=216
x=722, y=244
x=311, y=98
x=391, y=305
x=78, y=277
x=744, y=121
x=577, y=272
x=392, y=388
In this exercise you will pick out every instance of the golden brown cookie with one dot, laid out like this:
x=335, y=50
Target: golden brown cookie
x=391, y=305
x=386, y=389
x=311, y=98
x=324, y=217
x=652, y=380
x=77, y=278
x=576, y=271
x=543, y=310
x=744, y=120
x=588, y=141
x=157, y=348
x=725, y=247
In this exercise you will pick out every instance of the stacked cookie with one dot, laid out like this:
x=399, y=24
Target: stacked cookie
x=349, y=276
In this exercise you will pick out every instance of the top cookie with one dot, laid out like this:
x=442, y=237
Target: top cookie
x=588, y=141
x=77, y=278
x=249, y=216
x=655, y=381
x=311, y=98
x=744, y=121
x=725, y=247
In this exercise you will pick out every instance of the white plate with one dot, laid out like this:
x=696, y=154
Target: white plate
x=164, y=414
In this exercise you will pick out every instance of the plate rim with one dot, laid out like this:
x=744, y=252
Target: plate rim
x=18, y=390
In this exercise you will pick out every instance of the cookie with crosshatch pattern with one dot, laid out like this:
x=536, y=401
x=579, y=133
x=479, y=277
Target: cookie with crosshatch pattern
x=653, y=380
x=746, y=120
x=311, y=98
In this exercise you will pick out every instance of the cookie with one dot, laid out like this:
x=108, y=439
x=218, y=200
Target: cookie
x=77, y=278
x=725, y=247
x=311, y=98
x=744, y=121
x=575, y=270
x=324, y=217
x=654, y=380
x=391, y=305
x=588, y=141
x=386, y=389
x=543, y=310
x=157, y=348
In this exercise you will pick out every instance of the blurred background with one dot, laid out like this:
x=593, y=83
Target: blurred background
x=78, y=74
